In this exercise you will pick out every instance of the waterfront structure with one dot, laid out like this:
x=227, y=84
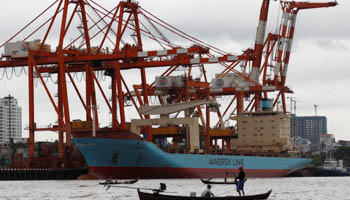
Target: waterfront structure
x=309, y=127
x=327, y=142
x=265, y=131
x=344, y=143
x=10, y=120
x=300, y=144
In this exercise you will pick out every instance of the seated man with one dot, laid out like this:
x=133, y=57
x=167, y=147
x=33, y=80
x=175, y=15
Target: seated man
x=207, y=192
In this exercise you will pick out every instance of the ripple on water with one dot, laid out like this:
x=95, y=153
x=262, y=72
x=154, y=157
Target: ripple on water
x=282, y=188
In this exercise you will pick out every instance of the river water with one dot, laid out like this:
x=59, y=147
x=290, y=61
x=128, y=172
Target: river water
x=305, y=188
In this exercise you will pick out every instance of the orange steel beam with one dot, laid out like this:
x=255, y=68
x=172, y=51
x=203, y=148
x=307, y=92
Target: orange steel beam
x=130, y=26
x=119, y=29
x=227, y=108
x=289, y=5
x=228, y=68
x=207, y=127
x=95, y=24
x=85, y=25
x=199, y=110
x=248, y=106
x=42, y=25
x=62, y=85
x=45, y=87
x=240, y=102
x=71, y=18
x=104, y=96
x=284, y=105
x=114, y=98
x=31, y=109
x=117, y=75
x=137, y=93
x=76, y=90
x=187, y=84
x=120, y=97
x=60, y=119
x=108, y=29
x=131, y=97
x=50, y=26
x=75, y=56
x=88, y=89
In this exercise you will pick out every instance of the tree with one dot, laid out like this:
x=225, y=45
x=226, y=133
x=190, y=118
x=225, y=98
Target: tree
x=343, y=153
x=317, y=160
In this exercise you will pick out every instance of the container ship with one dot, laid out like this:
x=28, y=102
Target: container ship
x=129, y=159
x=128, y=154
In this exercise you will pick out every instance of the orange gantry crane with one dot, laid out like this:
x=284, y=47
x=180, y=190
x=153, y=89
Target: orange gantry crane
x=112, y=42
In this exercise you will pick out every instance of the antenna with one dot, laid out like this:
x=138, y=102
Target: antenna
x=315, y=109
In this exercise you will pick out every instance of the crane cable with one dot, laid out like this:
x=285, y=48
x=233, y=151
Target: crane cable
x=3, y=74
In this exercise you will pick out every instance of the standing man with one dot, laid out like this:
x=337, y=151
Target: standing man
x=240, y=182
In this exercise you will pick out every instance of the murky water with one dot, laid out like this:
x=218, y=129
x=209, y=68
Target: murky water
x=282, y=188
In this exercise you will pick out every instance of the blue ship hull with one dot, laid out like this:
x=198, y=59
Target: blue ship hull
x=116, y=158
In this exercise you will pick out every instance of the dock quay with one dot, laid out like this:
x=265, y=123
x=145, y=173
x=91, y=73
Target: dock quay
x=41, y=174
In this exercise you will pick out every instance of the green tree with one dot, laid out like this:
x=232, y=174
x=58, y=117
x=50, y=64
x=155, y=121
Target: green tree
x=343, y=153
x=317, y=160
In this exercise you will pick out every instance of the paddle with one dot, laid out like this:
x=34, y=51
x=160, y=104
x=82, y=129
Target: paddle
x=161, y=188
x=119, y=186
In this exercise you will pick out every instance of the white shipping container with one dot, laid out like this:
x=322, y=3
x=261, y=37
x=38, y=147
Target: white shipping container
x=224, y=82
x=20, y=49
x=164, y=81
x=179, y=81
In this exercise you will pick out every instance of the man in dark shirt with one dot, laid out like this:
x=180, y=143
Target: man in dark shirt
x=240, y=182
x=207, y=192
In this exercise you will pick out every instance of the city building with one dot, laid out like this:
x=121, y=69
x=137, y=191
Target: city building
x=344, y=143
x=10, y=120
x=300, y=144
x=265, y=131
x=309, y=127
x=327, y=142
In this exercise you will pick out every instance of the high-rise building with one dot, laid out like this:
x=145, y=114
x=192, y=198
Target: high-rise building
x=309, y=127
x=10, y=120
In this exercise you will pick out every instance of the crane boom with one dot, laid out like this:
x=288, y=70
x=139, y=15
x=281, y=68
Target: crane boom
x=292, y=5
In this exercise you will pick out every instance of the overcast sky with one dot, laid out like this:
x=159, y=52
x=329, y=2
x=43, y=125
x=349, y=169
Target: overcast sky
x=318, y=71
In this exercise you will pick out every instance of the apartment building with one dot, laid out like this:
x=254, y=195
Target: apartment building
x=10, y=120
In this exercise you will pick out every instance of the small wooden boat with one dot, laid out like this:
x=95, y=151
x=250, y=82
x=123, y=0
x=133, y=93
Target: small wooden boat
x=116, y=182
x=157, y=196
x=208, y=181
